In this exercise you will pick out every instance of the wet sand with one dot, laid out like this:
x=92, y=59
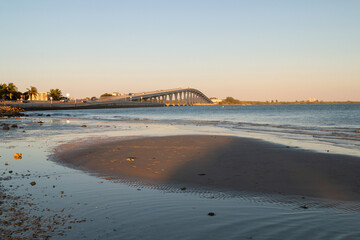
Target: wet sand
x=219, y=162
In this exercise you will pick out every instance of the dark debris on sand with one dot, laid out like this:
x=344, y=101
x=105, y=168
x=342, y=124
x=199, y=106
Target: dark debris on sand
x=21, y=218
x=7, y=111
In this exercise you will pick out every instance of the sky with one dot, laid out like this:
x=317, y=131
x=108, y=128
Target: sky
x=247, y=49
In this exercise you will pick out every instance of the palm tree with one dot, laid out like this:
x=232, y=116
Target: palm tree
x=32, y=91
x=3, y=91
x=55, y=94
x=11, y=90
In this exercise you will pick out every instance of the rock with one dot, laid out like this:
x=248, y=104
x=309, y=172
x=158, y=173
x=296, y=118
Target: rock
x=130, y=159
x=211, y=214
x=304, y=207
x=40, y=122
x=6, y=127
x=202, y=174
x=83, y=126
x=14, y=126
x=33, y=183
x=18, y=156
x=183, y=188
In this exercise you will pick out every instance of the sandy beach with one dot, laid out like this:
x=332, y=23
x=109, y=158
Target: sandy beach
x=219, y=162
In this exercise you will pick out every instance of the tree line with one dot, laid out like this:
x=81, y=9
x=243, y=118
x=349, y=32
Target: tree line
x=9, y=92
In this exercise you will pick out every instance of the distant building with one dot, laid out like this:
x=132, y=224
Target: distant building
x=216, y=100
x=311, y=100
x=41, y=96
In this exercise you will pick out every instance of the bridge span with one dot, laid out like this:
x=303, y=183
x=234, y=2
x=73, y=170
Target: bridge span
x=160, y=98
x=170, y=97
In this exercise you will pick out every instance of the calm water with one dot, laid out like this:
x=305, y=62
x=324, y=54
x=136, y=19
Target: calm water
x=337, y=115
x=124, y=210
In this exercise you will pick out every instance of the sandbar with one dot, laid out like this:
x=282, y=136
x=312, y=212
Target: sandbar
x=219, y=162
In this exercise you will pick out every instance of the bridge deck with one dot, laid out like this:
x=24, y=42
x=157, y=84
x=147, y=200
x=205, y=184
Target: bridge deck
x=170, y=97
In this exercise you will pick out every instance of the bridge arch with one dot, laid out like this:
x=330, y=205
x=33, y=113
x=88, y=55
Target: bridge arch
x=173, y=97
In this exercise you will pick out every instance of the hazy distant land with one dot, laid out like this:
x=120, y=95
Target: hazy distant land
x=233, y=101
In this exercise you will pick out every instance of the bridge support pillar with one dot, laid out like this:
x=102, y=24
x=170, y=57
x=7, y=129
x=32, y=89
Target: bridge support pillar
x=180, y=98
x=171, y=99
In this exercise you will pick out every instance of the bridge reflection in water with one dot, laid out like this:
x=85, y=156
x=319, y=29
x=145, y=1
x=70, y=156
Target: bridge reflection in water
x=171, y=97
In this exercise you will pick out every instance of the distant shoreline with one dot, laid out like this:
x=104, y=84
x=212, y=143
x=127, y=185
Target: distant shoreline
x=44, y=106
x=290, y=103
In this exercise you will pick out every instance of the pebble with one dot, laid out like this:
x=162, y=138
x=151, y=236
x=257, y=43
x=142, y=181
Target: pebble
x=33, y=183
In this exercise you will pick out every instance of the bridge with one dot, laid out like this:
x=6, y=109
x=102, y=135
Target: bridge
x=170, y=97
x=159, y=98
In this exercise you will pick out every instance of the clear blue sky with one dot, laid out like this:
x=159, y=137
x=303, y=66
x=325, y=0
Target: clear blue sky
x=251, y=50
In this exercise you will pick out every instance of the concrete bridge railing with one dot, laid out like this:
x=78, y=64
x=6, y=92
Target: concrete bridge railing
x=172, y=97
